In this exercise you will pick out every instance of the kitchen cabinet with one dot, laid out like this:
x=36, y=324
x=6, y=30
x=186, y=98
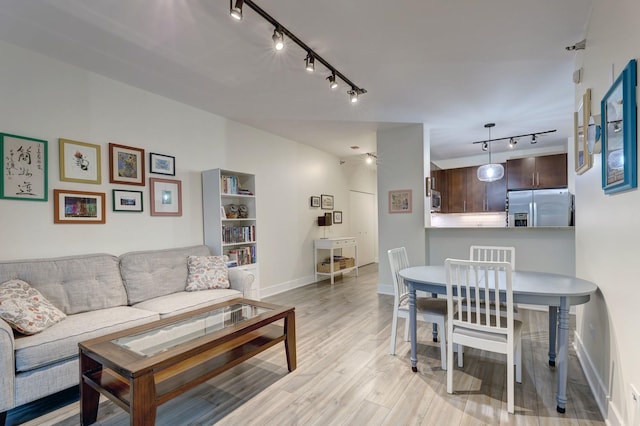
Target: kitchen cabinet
x=439, y=183
x=547, y=171
x=466, y=194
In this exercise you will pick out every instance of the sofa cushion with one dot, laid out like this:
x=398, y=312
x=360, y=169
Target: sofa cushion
x=155, y=273
x=207, y=272
x=73, y=284
x=177, y=303
x=60, y=341
x=25, y=309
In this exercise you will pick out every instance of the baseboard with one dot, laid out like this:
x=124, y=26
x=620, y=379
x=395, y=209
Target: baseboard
x=598, y=388
x=285, y=286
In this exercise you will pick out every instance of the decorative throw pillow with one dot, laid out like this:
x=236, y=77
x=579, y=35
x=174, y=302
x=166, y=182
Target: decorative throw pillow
x=26, y=309
x=207, y=272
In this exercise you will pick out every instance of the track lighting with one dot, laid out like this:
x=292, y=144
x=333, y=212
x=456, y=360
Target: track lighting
x=333, y=84
x=534, y=139
x=236, y=10
x=512, y=142
x=309, y=62
x=485, y=146
x=278, y=40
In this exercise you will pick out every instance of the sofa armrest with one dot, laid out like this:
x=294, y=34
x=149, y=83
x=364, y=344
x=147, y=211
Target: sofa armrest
x=243, y=280
x=7, y=367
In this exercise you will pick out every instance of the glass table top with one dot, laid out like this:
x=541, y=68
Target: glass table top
x=162, y=338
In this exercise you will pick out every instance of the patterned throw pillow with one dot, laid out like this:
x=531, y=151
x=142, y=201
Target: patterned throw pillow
x=26, y=309
x=207, y=272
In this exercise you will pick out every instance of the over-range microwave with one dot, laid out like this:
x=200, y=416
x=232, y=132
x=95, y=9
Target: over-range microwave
x=436, y=201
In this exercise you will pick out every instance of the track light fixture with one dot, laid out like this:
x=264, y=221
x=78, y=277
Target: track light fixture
x=513, y=140
x=485, y=146
x=333, y=84
x=278, y=40
x=235, y=10
x=309, y=62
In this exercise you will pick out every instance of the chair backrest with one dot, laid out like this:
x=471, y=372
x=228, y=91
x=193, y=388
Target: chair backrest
x=479, y=280
x=493, y=254
x=398, y=260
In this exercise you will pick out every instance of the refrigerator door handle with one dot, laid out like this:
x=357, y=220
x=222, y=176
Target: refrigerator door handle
x=532, y=216
x=535, y=214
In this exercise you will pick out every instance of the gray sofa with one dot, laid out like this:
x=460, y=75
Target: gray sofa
x=100, y=294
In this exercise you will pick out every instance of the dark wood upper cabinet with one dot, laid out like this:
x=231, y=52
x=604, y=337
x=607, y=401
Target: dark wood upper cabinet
x=456, y=195
x=464, y=193
x=547, y=171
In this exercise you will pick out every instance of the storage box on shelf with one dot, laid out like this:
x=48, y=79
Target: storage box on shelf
x=341, y=264
x=229, y=210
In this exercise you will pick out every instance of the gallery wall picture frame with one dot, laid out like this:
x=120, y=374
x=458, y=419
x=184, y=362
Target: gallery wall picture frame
x=619, y=134
x=314, y=201
x=162, y=164
x=166, y=197
x=126, y=165
x=400, y=201
x=326, y=202
x=80, y=162
x=337, y=216
x=24, y=168
x=127, y=201
x=583, y=158
x=75, y=207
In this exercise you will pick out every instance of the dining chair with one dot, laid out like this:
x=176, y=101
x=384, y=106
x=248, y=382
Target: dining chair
x=495, y=254
x=428, y=309
x=483, y=329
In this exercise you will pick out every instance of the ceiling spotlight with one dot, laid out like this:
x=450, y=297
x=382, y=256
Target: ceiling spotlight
x=309, y=62
x=332, y=81
x=534, y=139
x=278, y=40
x=353, y=95
x=236, y=10
x=513, y=142
x=485, y=146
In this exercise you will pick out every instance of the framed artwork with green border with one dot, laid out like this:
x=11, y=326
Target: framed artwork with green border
x=24, y=168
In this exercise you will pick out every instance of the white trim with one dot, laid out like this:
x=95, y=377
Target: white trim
x=285, y=286
x=598, y=388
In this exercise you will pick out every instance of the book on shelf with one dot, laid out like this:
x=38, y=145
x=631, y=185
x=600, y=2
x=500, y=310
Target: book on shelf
x=243, y=255
x=231, y=185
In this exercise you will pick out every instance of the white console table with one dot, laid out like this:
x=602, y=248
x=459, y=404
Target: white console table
x=332, y=244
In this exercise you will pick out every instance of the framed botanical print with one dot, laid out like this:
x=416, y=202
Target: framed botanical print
x=166, y=197
x=126, y=165
x=400, y=201
x=326, y=202
x=583, y=157
x=79, y=162
x=24, y=168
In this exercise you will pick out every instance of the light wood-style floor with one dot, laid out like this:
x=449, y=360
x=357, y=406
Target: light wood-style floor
x=345, y=375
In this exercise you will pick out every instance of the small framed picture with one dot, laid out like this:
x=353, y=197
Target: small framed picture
x=583, y=157
x=166, y=197
x=315, y=201
x=400, y=201
x=79, y=162
x=326, y=202
x=127, y=201
x=24, y=168
x=337, y=216
x=162, y=164
x=126, y=165
x=78, y=206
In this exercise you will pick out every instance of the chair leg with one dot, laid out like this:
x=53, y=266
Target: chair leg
x=449, y=365
x=510, y=385
x=394, y=331
x=460, y=355
x=518, y=360
x=443, y=345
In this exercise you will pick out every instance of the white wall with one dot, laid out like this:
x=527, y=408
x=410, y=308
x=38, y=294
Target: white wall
x=401, y=165
x=608, y=228
x=47, y=99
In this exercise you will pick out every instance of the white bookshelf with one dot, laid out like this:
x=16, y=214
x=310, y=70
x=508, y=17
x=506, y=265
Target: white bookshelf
x=233, y=236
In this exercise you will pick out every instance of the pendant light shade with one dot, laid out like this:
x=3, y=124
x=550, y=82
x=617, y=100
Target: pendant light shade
x=490, y=172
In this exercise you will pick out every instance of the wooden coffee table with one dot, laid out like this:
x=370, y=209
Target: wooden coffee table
x=145, y=366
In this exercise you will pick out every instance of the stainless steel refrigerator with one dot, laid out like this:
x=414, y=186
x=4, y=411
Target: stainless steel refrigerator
x=539, y=207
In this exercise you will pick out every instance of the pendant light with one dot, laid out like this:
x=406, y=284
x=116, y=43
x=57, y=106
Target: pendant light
x=490, y=172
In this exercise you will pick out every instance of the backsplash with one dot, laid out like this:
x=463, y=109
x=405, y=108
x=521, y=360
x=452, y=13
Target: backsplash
x=468, y=220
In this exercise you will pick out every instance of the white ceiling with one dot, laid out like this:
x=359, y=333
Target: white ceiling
x=451, y=64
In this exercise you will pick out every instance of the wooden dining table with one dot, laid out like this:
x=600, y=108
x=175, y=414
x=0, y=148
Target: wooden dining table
x=558, y=292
